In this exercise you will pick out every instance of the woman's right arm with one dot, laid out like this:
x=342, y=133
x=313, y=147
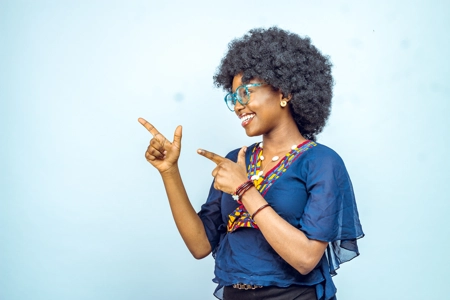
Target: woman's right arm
x=163, y=155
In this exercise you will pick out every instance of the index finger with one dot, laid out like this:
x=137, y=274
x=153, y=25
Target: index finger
x=149, y=127
x=212, y=156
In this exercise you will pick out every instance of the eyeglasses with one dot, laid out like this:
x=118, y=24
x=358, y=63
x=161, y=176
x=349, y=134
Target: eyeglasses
x=242, y=94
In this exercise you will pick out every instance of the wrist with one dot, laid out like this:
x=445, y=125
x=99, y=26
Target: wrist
x=170, y=172
x=258, y=210
x=242, y=189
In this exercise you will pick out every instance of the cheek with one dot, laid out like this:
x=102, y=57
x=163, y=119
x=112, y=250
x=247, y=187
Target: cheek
x=269, y=106
x=265, y=104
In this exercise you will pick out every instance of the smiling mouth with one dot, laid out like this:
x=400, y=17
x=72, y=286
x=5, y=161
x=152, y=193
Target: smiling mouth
x=246, y=118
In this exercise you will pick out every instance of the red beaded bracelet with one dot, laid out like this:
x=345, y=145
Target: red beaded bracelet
x=242, y=189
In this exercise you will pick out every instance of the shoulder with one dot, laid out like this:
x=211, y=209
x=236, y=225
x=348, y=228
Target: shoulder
x=323, y=158
x=323, y=165
x=325, y=153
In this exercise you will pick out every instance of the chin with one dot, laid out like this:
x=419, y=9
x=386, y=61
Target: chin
x=251, y=133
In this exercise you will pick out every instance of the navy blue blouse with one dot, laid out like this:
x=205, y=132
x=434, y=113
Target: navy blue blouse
x=315, y=195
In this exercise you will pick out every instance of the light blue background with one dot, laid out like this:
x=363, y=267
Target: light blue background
x=84, y=216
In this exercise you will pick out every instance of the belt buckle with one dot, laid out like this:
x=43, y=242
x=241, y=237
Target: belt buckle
x=244, y=286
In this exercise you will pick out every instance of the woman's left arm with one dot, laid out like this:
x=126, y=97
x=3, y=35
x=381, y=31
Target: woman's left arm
x=289, y=242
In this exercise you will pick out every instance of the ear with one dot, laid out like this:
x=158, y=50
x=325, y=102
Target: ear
x=287, y=98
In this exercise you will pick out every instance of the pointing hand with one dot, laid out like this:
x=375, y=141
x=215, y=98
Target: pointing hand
x=227, y=174
x=162, y=153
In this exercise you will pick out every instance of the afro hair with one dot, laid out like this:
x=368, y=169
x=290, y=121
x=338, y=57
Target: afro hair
x=288, y=63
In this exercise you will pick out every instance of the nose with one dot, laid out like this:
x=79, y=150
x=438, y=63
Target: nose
x=238, y=106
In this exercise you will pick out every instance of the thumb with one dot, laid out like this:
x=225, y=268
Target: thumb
x=241, y=156
x=177, y=137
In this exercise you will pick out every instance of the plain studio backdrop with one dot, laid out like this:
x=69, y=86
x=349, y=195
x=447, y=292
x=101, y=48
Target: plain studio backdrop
x=84, y=216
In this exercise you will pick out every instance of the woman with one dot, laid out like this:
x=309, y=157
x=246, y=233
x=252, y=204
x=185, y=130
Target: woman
x=281, y=215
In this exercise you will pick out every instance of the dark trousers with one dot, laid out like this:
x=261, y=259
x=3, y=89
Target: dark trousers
x=293, y=292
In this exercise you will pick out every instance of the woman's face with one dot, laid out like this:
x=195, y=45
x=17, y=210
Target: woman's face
x=263, y=113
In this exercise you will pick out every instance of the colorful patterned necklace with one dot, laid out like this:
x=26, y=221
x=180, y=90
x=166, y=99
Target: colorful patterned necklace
x=264, y=182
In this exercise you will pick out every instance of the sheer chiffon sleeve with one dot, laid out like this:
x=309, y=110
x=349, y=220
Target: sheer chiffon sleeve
x=210, y=214
x=331, y=214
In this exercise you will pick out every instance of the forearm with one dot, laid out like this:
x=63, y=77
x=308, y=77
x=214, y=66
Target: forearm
x=186, y=219
x=289, y=242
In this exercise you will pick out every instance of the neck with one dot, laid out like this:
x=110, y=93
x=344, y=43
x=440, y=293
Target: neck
x=282, y=139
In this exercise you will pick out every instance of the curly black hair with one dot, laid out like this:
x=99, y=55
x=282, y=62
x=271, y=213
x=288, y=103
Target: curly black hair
x=288, y=63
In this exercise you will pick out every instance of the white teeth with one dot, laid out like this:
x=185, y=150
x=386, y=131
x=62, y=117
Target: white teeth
x=247, y=117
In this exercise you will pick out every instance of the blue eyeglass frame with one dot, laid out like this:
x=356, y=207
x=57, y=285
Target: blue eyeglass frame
x=235, y=96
